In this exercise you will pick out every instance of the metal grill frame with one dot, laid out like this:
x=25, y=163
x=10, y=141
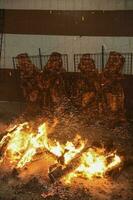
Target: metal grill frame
x=101, y=60
x=97, y=57
x=45, y=58
x=41, y=60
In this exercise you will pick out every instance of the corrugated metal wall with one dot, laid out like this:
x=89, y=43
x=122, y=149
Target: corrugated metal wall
x=14, y=44
x=67, y=4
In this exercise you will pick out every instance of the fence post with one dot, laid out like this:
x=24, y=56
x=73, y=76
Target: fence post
x=67, y=62
x=102, y=57
x=40, y=58
x=2, y=24
x=74, y=63
x=131, y=67
x=13, y=61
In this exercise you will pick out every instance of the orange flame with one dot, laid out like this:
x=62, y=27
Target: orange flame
x=94, y=163
x=20, y=146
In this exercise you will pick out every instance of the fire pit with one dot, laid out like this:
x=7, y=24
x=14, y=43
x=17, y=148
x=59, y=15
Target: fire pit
x=21, y=144
x=59, y=169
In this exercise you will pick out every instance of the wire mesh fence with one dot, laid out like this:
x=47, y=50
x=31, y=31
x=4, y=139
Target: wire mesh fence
x=34, y=60
x=100, y=60
x=45, y=58
x=41, y=60
x=96, y=57
x=128, y=65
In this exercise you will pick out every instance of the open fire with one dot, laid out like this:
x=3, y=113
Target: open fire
x=75, y=159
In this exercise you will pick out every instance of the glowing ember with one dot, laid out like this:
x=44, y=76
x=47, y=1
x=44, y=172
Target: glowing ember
x=20, y=146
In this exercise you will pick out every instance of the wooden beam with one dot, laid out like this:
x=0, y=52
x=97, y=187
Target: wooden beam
x=81, y=23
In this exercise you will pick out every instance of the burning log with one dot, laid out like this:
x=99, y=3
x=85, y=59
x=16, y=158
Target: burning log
x=40, y=155
x=8, y=131
x=60, y=169
x=90, y=162
x=6, y=136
